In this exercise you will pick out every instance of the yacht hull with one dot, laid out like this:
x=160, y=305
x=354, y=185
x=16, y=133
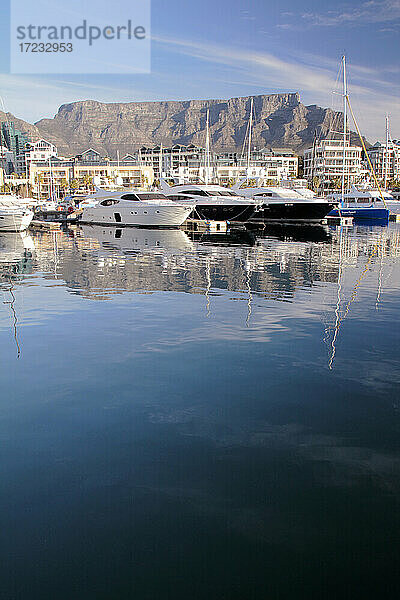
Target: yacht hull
x=223, y=212
x=293, y=212
x=136, y=215
x=15, y=221
x=362, y=214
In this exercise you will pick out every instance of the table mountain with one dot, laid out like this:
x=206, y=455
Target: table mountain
x=280, y=120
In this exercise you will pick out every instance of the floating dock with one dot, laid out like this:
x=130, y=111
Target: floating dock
x=49, y=225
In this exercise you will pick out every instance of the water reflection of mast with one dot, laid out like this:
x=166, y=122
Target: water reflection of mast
x=247, y=268
x=11, y=303
x=378, y=295
x=55, y=250
x=339, y=290
x=208, y=286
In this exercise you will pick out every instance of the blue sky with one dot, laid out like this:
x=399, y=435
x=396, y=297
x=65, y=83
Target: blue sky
x=227, y=48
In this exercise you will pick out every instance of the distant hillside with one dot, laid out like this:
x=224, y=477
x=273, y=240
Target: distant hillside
x=280, y=120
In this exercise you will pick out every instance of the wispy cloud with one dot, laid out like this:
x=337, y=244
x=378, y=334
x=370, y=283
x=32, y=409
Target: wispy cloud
x=373, y=11
x=314, y=77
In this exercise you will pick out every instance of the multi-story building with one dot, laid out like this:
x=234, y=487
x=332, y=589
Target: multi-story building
x=50, y=174
x=39, y=151
x=58, y=176
x=385, y=159
x=188, y=163
x=6, y=160
x=167, y=162
x=16, y=142
x=325, y=162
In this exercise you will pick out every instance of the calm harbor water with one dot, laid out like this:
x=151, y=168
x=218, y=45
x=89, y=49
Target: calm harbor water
x=188, y=418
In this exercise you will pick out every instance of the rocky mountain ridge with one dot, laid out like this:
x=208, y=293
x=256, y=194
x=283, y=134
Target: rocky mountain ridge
x=280, y=120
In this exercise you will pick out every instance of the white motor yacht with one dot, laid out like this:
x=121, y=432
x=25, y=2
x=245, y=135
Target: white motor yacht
x=133, y=208
x=213, y=202
x=14, y=215
x=287, y=204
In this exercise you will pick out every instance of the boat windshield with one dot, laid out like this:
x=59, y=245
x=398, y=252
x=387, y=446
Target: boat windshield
x=220, y=193
x=143, y=196
x=194, y=192
x=151, y=196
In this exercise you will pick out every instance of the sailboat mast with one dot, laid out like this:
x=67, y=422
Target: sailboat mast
x=250, y=131
x=386, y=152
x=344, y=126
x=207, y=174
x=160, y=162
x=52, y=195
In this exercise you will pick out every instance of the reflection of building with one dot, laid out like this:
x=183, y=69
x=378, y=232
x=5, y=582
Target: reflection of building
x=325, y=162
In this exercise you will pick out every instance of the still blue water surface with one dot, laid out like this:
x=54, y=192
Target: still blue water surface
x=200, y=418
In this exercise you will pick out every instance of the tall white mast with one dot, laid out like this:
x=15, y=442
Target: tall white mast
x=344, y=126
x=207, y=174
x=250, y=131
x=52, y=195
x=160, y=162
x=386, y=152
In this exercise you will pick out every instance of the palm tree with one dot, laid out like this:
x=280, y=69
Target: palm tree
x=63, y=185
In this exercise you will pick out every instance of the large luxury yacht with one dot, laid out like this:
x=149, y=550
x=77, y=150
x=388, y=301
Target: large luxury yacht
x=141, y=209
x=212, y=202
x=288, y=205
x=14, y=215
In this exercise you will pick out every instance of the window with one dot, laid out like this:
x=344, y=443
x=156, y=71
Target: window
x=152, y=196
x=179, y=198
x=109, y=202
x=129, y=197
x=196, y=192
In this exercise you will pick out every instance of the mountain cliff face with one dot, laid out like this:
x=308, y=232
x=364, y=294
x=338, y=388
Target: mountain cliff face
x=280, y=120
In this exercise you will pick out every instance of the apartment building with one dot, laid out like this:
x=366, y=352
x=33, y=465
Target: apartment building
x=385, y=159
x=325, y=162
x=58, y=176
x=188, y=163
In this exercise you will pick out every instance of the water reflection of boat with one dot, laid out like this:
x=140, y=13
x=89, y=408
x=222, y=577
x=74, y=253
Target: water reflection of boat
x=296, y=233
x=136, y=239
x=16, y=250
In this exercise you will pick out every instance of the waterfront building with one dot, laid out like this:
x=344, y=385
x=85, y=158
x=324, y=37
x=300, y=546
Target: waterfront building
x=16, y=142
x=7, y=160
x=58, y=176
x=323, y=164
x=188, y=163
x=385, y=159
